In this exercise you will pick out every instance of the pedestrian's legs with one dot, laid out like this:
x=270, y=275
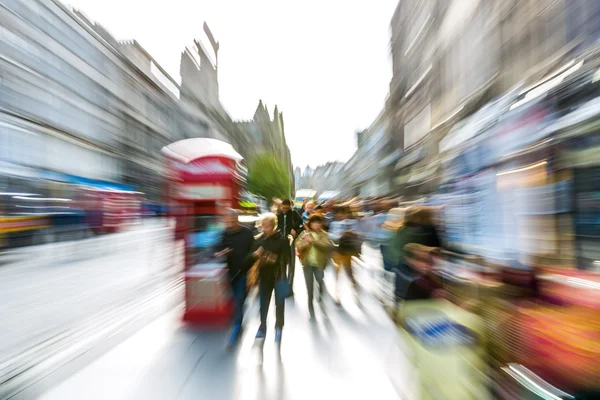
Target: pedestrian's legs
x=348, y=268
x=279, y=310
x=267, y=284
x=337, y=265
x=319, y=276
x=308, y=277
x=350, y=273
x=292, y=267
x=238, y=287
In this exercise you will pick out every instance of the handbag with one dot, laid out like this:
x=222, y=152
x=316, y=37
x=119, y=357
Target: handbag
x=283, y=288
x=253, y=275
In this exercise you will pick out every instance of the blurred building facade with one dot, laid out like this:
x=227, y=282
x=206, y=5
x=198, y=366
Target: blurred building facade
x=366, y=173
x=327, y=177
x=451, y=57
x=307, y=178
x=297, y=178
x=76, y=102
x=483, y=105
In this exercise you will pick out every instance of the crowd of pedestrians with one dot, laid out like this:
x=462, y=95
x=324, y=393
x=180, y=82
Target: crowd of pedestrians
x=320, y=236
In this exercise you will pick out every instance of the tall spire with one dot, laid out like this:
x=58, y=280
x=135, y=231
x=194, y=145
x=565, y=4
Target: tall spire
x=281, y=124
x=259, y=110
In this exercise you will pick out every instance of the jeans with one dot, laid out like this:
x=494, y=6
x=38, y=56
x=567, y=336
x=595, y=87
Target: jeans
x=266, y=288
x=310, y=275
x=238, y=288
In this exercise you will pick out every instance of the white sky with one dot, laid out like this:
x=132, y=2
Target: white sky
x=325, y=63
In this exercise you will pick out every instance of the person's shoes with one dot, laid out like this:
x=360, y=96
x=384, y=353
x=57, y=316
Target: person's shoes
x=311, y=312
x=277, y=335
x=261, y=334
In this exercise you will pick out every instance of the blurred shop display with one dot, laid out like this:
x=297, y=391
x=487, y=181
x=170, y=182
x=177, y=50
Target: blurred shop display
x=495, y=331
x=49, y=207
x=520, y=179
x=447, y=349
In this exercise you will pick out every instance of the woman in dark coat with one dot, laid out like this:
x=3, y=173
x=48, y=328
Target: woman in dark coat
x=273, y=252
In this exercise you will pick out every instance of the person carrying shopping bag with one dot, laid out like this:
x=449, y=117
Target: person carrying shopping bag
x=314, y=247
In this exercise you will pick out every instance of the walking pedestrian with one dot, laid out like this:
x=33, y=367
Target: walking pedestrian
x=303, y=207
x=418, y=229
x=236, y=245
x=391, y=243
x=314, y=248
x=343, y=233
x=289, y=224
x=272, y=253
x=310, y=207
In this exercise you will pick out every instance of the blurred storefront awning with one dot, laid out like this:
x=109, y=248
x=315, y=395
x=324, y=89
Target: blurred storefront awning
x=79, y=180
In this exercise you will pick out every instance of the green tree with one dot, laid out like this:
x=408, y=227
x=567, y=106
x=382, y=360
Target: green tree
x=268, y=177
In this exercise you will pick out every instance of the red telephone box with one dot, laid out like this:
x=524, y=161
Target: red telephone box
x=205, y=177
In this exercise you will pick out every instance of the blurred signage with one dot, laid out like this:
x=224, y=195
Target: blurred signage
x=15, y=224
x=203, y=192
x=205, y=168
x=418, y=127
x=433, y=328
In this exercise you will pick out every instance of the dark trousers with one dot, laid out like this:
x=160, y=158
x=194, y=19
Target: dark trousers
x=292, y=265
x=310, y=275
x=266, y=288
x=238, y=288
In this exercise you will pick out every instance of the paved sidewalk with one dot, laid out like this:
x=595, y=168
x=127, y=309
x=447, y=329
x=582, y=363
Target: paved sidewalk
x=49, y=302
x=353, y=354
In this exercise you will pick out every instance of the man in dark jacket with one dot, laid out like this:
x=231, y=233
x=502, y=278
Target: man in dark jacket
x=236, y=246
x=289, y=222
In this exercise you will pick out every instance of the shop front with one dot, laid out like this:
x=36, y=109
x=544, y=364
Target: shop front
x=580, y=160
